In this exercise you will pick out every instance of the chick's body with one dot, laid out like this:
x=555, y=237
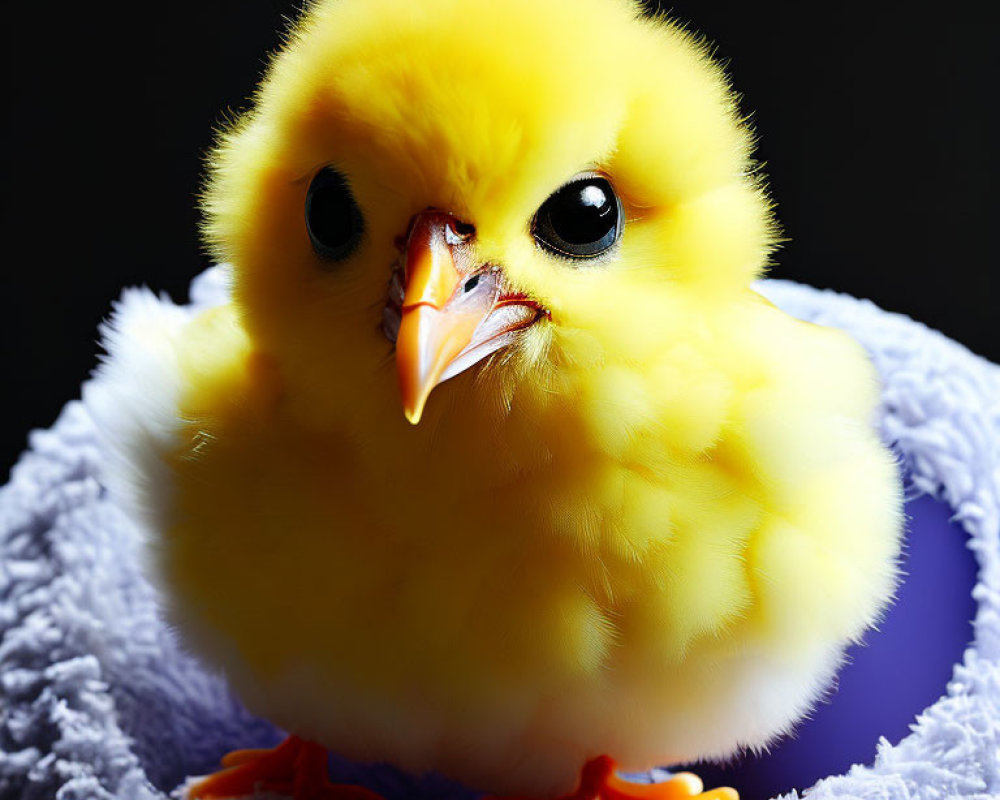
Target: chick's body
x=648, y=527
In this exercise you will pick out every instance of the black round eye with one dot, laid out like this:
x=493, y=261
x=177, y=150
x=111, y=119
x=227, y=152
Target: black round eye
x=581, y=220
x=333, y=218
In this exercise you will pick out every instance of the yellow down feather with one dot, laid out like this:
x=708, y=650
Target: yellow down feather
x=647, y=529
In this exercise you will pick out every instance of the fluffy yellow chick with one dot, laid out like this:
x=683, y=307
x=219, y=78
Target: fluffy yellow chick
x=645, y=512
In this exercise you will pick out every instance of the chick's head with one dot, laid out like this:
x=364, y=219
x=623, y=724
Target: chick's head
x=440, y=158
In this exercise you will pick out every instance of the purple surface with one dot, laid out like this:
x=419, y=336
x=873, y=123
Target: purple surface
x=898, y=671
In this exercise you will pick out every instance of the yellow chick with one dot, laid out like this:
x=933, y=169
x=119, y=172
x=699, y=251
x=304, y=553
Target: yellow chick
x=644, y=514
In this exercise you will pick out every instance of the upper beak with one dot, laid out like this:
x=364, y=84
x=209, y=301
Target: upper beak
x=443, y=306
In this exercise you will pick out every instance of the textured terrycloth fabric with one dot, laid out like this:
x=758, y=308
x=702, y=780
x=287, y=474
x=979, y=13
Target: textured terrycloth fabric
x=99, y=701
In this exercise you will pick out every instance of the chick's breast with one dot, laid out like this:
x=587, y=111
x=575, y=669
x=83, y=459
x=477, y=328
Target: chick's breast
x=648, y=525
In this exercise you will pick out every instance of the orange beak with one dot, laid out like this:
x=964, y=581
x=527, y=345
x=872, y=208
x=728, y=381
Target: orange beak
x=441, y=311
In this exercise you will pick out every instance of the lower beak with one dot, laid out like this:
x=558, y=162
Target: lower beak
x=443, y=305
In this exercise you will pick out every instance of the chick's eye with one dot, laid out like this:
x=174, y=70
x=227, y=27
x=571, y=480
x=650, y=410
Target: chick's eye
x=333, y=218
x=583, y=219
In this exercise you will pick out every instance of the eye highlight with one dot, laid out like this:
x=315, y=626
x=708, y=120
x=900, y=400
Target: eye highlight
x=583, y=219
x=333, y=219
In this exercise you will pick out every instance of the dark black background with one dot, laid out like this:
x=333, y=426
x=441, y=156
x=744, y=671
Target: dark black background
x=877, y=123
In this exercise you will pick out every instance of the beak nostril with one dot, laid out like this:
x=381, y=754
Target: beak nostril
x=464, y=229
x=456, y=232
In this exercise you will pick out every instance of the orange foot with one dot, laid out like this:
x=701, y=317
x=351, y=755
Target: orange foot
x=294, y=768
x=599, y=781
